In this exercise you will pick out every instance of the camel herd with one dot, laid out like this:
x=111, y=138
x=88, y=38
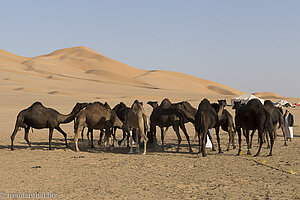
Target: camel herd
x=137, y=127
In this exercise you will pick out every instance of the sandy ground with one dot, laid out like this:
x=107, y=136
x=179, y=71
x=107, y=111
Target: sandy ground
x=91, y=174
x=64, y=77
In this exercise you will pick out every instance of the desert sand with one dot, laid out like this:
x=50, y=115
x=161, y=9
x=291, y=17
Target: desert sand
x=79, y=74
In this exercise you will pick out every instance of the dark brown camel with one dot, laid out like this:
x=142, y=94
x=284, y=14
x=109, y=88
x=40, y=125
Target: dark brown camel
x=253, y=116
x=277, y=118
x=96, y=116
x=90, y=131
x=39, y=117
x=207, y=118
x=165, y=116
x=122, y=110
x=226, y=123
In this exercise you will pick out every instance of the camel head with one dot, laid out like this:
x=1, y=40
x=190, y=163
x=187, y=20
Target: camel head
x=154, y=104
x=137, y=105
x=222, y=102
x=236, y=105
x=106, y=105
x=78, y=107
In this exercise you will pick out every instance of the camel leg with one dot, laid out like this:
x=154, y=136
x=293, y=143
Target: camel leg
x=218, y=139
x=272, y=136
x=153, y=134
x=50, y=137
x=64, y=134
x=252, y=134
x=92, y=137
x=13, y=135
x=247, y=135
x=260, y=135
x=162, y=135
x=182, y=126
x=204, y=140
x=131, y=141
x=137, y=140
x=211, y=140
x=176, y=129
x=82, y=133
x=268, y=143
x=18, y=124
x=240, y=140
x=101, y=137
x=124, y=135
x=26, y=136
x=197, y=130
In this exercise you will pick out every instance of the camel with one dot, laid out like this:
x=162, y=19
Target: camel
x=277, y=117
x=121, y=110
x=91, y=131
x=136, y=119
x=165, y=116
x=207, y=118
x=185, y=107
x=226, y=123
x=96, y=116
x=39, y=117
x=253, y=116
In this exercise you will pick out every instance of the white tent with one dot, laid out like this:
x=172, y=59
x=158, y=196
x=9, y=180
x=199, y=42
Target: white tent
x=283, y=103
x=245, y=98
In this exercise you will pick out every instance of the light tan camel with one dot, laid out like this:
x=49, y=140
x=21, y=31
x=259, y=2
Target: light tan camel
x=136, y=119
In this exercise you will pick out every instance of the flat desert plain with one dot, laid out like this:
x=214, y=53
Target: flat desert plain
x=64, y=77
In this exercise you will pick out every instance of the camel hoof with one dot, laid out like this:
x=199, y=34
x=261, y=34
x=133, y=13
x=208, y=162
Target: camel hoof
x=144, y=153
x=191, y=151
x=213, y=149
x=130, y=152
x=256, y=155
x=270, y=154
x=119, y=143
x=204, y=154
x=12, y=149
x=93, y=147
x=221, y=152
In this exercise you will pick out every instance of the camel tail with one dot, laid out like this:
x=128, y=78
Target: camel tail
x=202, y=120
x=268, y=124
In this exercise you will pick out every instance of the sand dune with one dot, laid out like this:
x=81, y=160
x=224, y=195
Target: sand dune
x=267, y=95
x=81, y=68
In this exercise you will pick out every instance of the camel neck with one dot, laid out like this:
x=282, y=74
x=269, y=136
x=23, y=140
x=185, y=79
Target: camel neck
x=64, y=119
x=220, y=112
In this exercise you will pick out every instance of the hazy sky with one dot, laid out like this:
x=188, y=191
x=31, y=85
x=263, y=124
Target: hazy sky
x=253, y=46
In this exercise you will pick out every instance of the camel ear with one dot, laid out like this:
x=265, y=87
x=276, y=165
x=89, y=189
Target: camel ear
x=141, y=103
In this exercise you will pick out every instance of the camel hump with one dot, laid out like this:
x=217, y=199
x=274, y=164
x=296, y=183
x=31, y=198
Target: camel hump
x=268, y=103
x=204, y=104
x=166, y=103
x=37, y=103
